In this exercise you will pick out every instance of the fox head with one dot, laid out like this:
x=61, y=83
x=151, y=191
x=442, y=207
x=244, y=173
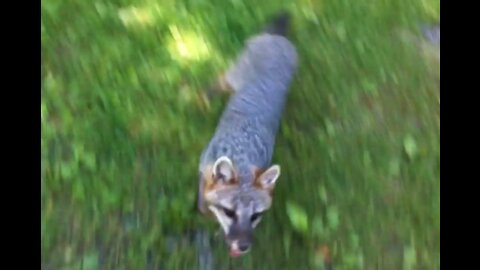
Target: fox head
x=238, y=208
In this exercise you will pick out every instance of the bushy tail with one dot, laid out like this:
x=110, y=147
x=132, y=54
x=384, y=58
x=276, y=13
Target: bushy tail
x=279, y=24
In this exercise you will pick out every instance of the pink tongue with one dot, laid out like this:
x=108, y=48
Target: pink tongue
x=234, y=253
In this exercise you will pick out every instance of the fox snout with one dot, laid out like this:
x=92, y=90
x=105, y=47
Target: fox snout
x=240, y=239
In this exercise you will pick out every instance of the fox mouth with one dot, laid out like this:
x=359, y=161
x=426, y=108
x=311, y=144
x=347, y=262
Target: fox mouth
x=235, y=251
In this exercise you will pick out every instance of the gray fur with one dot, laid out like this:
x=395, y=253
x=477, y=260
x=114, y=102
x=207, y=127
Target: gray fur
x=247, y=129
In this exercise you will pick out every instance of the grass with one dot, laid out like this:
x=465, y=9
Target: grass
x=123, y=126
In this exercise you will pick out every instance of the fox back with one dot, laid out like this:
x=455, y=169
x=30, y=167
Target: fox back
x=236, y=176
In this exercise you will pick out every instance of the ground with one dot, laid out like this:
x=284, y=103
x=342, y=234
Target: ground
x=124, y=122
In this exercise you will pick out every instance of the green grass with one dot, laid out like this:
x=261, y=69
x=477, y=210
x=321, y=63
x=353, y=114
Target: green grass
x=123, y=126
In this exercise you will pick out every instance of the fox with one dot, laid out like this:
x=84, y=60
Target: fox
x=236, y=175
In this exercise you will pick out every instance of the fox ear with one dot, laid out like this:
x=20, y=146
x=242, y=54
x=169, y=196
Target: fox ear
x=269, y=177
x=223, y=170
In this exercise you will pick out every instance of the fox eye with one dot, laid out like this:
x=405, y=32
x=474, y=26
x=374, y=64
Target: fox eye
x=255, y=217
x=229, y=213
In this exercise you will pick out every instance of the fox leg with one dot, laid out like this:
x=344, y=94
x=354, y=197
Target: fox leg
x=220, y=86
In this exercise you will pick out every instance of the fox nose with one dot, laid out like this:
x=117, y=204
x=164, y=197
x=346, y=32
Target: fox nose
x=243, y=247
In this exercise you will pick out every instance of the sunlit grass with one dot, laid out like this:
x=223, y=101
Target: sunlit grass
x=123, y=127
x=138, y=16
x=186, y=46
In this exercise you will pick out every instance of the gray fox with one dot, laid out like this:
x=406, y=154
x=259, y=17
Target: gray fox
x=236, y=178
